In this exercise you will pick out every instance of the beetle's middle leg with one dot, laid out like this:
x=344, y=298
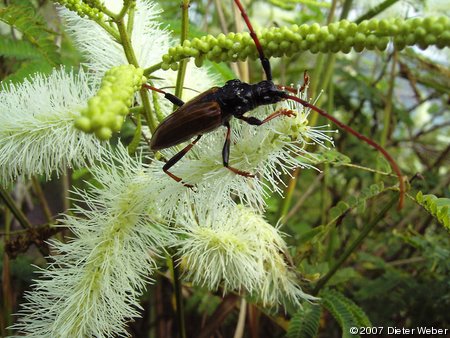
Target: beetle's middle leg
x=178, y=156
x=226, y=154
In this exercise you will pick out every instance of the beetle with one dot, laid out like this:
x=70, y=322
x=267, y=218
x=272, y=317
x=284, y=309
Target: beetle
x=216, y=106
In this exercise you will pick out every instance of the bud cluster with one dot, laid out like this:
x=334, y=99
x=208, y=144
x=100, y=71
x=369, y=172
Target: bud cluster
x=92, y=9
x=339, y=36
x=107, y=109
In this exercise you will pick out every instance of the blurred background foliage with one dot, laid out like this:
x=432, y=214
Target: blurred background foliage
x=397, y=275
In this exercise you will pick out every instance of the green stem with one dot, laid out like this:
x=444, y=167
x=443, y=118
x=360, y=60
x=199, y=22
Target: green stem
x=178, y=297
x=108, y=12
x=40, y=194
x=376, y=10
x=149, y=116
x=7, y=305
x=286, y=202
x=184, y=35
x=324, y=193
x=20, y=216
x=131, y=57
x=346, y=8
x=126, y=6
x=388, y=109
x=130, y=22
x=365, y=231
x=152, y=69
x=126, y=43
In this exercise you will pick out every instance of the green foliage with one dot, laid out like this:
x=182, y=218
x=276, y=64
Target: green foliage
x=330, y=156
x=305, y=322
x=438, y=207
x=400, y=272
x=19, y=49
x=345, y=311
x=416, y=287
x=356, y=202
x=36, y=49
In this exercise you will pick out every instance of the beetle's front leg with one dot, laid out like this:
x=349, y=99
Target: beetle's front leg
x=257, y=122
x=226, y=154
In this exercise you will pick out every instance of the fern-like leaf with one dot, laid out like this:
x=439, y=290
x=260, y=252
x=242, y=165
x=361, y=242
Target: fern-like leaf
x=305, y=322
x=360, y=316
x=28, y=68
x=17, y=49
x=345, y=311
x=34, y=30
x=437, y=207
x=356, y=202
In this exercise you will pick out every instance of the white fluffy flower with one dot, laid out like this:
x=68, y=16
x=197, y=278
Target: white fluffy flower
x=268, y=151
x=237, y=250
x=102, y=52
x=37, y=134
x=92, y=287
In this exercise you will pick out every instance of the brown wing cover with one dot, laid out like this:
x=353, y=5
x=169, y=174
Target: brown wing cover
x=198, y=116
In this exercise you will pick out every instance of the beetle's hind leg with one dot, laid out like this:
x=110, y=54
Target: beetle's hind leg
x=178, y=156
x=226, y=154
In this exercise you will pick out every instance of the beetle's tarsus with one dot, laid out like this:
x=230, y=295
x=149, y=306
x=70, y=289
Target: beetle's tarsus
x=240, y=172
x=187, y=185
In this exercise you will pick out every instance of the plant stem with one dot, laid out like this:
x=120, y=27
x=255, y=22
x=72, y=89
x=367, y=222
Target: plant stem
x=184, y=35
x=376, y=10
x=149, y=116
x=365, y=231
x=18, y=214
x=7, y=291
x=40, y=194
x=178, y=297
x=126, y=5
x=239, y=332
x=286, y=202
x=152, y=69
x=126, y=43
x=131, y=57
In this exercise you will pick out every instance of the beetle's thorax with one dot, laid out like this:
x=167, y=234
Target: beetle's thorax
x=237, y=97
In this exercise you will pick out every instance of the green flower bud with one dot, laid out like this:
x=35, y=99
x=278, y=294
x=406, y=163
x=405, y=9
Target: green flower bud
x=363, y=26
x=83, y=123
x=304, y=29
x=314, y=28
x=373, y=24
x=382, y=43
x=383, y=26
x=104, y=133
x=430, y=39
x=338, y=36
x=333, y=28
x=105, y=111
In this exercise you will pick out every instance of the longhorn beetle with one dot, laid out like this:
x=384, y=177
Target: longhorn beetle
x=217, y=105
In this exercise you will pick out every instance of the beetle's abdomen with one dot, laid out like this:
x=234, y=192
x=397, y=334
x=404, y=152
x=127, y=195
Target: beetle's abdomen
x=186, y=122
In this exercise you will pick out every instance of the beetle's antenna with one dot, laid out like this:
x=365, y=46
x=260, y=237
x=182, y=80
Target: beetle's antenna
x=264, y=61
x=184, y=87
x=370, y=142
x=172, y=98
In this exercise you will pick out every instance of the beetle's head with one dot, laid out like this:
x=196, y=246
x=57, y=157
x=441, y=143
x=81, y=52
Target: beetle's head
x=267, y=93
